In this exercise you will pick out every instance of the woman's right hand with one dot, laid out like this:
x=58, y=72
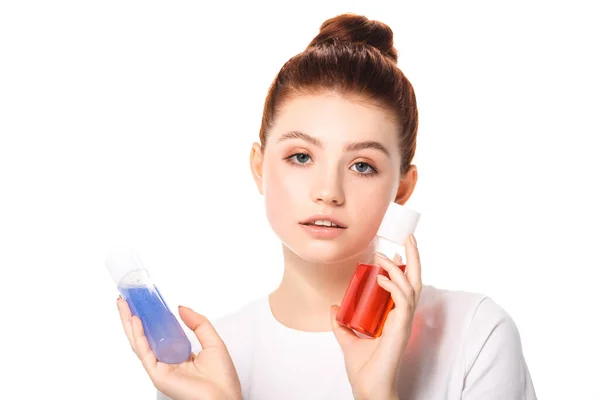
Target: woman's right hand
x=209, y=375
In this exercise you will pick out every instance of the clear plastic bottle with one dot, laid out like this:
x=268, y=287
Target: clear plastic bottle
x=165, y=335
x=365, y=305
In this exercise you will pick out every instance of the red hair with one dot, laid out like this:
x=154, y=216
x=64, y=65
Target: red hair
x=352, y=56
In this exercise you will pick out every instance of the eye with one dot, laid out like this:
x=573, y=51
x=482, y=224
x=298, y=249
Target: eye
x=299, y=158
x=363, y=168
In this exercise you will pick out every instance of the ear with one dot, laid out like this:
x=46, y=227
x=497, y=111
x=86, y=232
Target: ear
x=256, y=163
x=407, y=185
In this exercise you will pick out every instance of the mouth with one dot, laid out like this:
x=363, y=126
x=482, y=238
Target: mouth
x=325, y=222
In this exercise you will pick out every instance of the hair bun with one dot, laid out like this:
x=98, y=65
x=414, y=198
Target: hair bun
x=357, y=29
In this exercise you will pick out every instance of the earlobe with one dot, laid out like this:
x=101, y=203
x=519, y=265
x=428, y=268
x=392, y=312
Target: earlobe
x=256, y=163
x=407, y=185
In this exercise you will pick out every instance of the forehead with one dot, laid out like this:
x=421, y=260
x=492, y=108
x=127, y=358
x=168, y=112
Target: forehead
x=332, y=117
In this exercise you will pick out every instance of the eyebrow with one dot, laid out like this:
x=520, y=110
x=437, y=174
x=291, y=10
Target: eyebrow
x=354, y=146
x=300, y=135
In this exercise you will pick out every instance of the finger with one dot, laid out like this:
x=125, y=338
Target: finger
x=345, y=336
x=142, y=347
x=204, y=330
x=125, y=315
x=398, y=261
x=413, y=265
x=401, y=299
x=396, y=275
x=396, y=329
x=393, y=269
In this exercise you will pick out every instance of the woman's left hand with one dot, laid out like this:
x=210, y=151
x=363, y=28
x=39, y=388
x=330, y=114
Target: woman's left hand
x=372, y=365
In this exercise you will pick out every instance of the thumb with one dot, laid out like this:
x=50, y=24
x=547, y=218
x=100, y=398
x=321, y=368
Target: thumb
x=344, y=336
x=204, y=330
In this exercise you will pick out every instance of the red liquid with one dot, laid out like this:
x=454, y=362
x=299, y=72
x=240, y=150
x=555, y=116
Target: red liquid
x=366, y=304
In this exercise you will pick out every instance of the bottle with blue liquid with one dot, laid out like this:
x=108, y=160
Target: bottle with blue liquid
x=165, y=335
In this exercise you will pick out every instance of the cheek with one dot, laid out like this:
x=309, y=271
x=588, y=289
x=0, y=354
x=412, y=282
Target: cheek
x=369, y=206
x=281, y=192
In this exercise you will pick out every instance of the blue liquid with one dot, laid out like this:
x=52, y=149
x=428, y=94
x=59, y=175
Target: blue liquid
x=167, y=339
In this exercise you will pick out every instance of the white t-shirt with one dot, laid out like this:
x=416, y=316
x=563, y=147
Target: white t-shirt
x=463, y=346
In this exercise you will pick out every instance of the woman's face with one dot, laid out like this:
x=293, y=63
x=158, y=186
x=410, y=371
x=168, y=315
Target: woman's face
x=331, y=159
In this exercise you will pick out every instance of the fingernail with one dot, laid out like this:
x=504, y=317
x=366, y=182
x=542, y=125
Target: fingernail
x=413, y=240
x=381, y=255
x=383, y=277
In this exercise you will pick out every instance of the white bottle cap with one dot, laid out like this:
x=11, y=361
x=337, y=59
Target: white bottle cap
x=398, y=223
x=121, y=261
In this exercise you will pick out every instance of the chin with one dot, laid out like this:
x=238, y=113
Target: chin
x=326, y=252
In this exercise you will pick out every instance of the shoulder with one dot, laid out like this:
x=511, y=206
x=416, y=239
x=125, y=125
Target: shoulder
x=459, y=303
x=468, y=319
x=237, y=328
x=486, y=337
x=495, y=365
x=233, y=327
x=239, y=320
x=492, y=334
x=448, y=308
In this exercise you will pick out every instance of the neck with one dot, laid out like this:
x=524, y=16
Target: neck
x=307, y=290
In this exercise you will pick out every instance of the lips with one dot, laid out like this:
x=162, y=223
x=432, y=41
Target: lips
x=324, y=221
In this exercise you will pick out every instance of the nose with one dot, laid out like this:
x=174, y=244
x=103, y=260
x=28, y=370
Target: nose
x=328, y=189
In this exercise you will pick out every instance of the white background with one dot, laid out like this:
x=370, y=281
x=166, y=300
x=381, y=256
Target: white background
x=131, y=122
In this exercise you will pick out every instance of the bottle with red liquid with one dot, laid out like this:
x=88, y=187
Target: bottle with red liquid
x=365, y=305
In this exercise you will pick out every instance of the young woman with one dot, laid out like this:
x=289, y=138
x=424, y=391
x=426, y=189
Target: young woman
x=337, y=139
